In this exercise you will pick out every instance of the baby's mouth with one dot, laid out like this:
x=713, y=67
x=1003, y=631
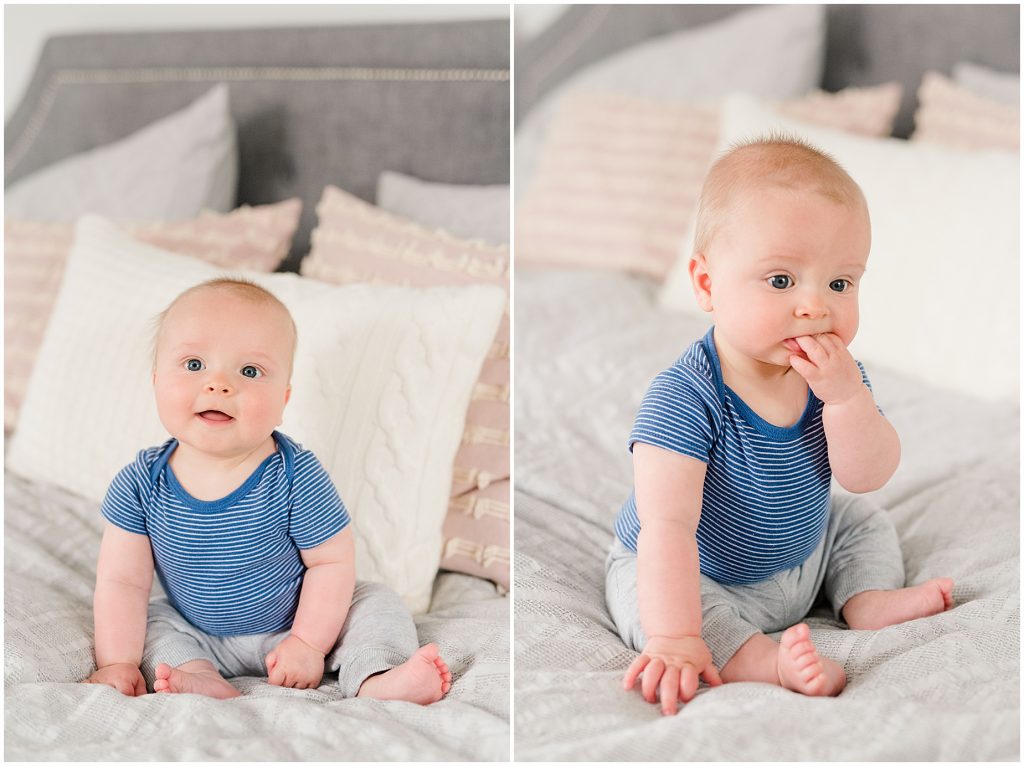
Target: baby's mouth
x=792, y=345
x=214, y=416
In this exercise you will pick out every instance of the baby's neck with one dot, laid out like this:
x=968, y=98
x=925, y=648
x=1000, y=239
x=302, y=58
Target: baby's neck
x=777, y=394
x=209, y=477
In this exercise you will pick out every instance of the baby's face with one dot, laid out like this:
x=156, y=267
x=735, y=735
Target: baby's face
x=788, y=264
x=222, y=371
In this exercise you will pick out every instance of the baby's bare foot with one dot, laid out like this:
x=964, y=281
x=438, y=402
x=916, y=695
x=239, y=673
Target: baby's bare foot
x=802, y=670
x=194, y=679
x=423, y=678
x=875, y=609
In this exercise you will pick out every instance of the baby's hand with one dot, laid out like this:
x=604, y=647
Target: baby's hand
x=672, y=665
x=123, y=676
x=828, y=367
x=295, y=664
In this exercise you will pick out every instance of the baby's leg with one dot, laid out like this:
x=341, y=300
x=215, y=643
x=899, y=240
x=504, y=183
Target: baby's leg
x=876, y=609
x=865, y=577
x=378, y=653
x=177, y=657
x=739, y=648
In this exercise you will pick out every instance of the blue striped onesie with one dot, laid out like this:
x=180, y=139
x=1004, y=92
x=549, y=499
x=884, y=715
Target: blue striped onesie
x=766, y=491
x=230, y=566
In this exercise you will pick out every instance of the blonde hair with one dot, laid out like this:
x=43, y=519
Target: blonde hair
x=241, y=288
x=778, y=160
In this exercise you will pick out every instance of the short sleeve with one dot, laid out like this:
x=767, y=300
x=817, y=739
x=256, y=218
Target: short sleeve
x=317, y=513
x=123, y=504
x=675, y=416
x=867, y=382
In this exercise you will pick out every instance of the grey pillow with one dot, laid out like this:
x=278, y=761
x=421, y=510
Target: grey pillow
x=171, y=169
x=1003, y=87
x=473, y=212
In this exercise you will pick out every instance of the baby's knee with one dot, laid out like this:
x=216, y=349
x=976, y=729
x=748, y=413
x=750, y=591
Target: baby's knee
x=377, y=597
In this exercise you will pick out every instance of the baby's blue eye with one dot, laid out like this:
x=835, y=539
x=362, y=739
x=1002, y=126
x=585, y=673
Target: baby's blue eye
x=194, y=365
x=839, y=285
x=251, y=372
x=780, y=281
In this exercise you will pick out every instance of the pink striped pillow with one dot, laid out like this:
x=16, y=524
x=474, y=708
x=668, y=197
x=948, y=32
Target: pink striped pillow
x=951, y=115
x=357, y=242
x=619, y=176
x=255, y=238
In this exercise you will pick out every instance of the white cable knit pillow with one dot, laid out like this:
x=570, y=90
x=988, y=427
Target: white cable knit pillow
x=382, y=380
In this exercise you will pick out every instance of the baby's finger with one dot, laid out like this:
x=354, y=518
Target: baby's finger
x=140, y=686
x=813, y=349
x=634, y=670
x=688, y=683
x=669, y=690
x=802, y=366
x=652, y=675
x=711, y=676
x=276, y=677
x=830, y=342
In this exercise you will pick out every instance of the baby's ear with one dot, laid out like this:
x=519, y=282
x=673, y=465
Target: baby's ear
x=287, y=394
x=700, y=277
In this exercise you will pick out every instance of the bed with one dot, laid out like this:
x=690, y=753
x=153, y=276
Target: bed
x=595, y=323
x=232, y=139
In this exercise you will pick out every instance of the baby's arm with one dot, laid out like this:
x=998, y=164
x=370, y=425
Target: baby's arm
x=324, y=601
x=124, y=576
x=863, y=447
x=669, y=489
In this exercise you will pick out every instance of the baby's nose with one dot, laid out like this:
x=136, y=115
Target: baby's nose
x=217, y=387
x=812, y=305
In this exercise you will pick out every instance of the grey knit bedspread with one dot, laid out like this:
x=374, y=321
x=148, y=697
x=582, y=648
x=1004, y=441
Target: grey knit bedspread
x=51, y=540
x=940, y=688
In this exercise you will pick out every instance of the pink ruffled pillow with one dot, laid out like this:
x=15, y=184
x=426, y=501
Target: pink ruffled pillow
x=254, y=238
x=618, y=178
x=358, y=242
x=951, y=115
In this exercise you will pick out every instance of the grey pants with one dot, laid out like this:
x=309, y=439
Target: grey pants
x=378, y=634
x=860, y=551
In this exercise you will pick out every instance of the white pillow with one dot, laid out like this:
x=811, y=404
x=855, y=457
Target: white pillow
x=774, y=51
x=473, y=212
x=382, y=380
x=939, y=299
x=171, y=169
x=1003, y=87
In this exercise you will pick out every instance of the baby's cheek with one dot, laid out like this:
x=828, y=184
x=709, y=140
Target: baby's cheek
x=846, y=326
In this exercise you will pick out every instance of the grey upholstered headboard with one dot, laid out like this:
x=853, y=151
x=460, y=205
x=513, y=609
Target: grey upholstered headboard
x=333, y=105
x=867, y=44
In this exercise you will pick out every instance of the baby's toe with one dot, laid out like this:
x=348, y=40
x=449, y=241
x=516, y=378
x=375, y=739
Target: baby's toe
x=807, y=661
x=803, y=650
x=815, y=682
x=795, y=635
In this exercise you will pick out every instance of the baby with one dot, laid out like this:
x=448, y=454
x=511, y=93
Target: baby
x=244, y=528
x=730, y=531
